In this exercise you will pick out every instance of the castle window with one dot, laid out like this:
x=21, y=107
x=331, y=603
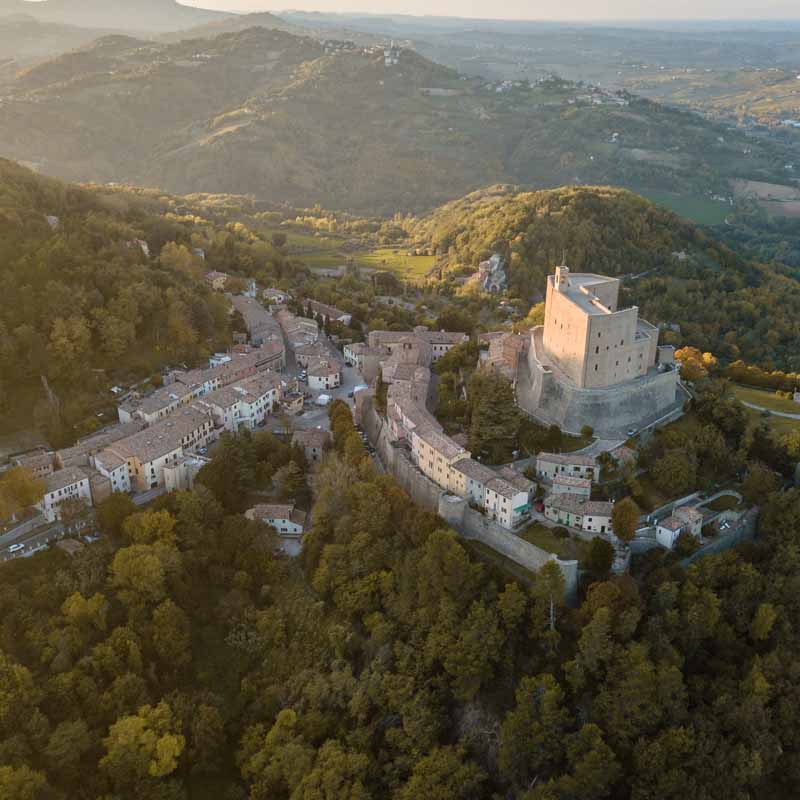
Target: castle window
x=597, y=349
x=595, y=367
x=622, y=343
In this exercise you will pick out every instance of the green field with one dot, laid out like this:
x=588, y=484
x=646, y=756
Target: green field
x=387, y=259
x=766, y=399
x=566, y=549
x=701, y=210
x=398, y=261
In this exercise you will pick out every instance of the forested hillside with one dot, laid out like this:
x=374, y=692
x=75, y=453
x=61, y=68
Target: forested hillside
x=183, y=658
x=283, y=118
x=100, y=288
x=674, y=271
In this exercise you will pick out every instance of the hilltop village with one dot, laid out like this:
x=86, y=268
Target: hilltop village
x=591, y=367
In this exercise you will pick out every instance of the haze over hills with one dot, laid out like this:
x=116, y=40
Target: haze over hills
x=143, y=15
x=275, y=115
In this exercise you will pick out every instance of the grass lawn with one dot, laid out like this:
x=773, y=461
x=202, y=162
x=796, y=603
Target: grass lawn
x=397, y=260
x=724, y=503
x=498, y=560
x=766, y=399
x=701, y=210
x=544, y=537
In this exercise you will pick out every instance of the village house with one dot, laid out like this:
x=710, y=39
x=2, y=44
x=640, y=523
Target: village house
x=114, y=467
x=324, y=374
x=566, y=484
x=307, y=353
x=434, y=453
x=62, y=485
x=244, y=404
x=288, y=521
x=39, y=464
x=313, y=441
x=275, y=297
x=162, y=444
x=548, y=465
x=366, y=359
x=299, y=331
x=575, y=512
x=508, y=498
x=216, y=280
x=473, y=480
x=686, y=519
x=440, y=342
x=261, y=325
x=508, y=504
x=328, y=313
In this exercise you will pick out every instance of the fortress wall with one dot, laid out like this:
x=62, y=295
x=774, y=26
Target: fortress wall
x=467, y=522
x=611, y=412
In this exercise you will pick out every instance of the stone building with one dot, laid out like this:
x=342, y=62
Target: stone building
x=593, y=363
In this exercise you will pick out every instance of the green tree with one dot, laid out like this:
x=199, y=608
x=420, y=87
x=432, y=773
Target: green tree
x=142, y=747
x=112, y=512
x=444, y=774
x=625, y=518
x=675, y=471
x=532, y=735
x=600, y=558
x=759, y=483
x=494, y=417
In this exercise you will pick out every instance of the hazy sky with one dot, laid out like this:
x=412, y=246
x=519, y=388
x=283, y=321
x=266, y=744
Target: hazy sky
x=534, y=9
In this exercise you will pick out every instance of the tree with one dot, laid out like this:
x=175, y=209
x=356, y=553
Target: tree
x=19, y=489
x=675, y=471
x=292, y=483
x=142, y=747
x=444, y=774
x=138, y=574
x=22, y=783
x=171, y=633
x=74, y=513
x=494, y=416
x=532, y=735
x=112, y=512
x=759, y=483
x=600, y=558
x=625, y=518
x=587, y=431
x=338, y=774
x=231, y=475
x=149, y=527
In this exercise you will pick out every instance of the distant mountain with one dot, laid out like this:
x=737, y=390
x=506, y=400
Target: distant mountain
x=132, y=15
x=285, y=118
x=25, y=40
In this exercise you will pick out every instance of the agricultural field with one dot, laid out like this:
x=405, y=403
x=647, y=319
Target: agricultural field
x=397, y=261
x=702, y=210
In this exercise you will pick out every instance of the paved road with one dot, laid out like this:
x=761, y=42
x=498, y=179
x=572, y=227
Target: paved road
x=783, y=414
x=32, y=542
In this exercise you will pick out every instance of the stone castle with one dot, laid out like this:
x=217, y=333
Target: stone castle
x=592, y=363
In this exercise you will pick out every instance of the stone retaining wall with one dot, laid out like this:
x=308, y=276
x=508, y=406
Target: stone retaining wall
x=466, y=521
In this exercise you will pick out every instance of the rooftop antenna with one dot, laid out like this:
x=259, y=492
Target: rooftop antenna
x=564, y=257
